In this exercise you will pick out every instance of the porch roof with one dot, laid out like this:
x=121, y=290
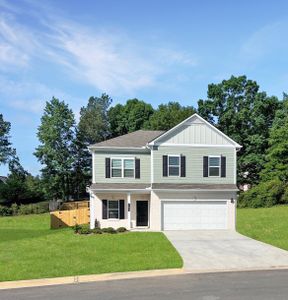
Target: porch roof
x=203, y=186
x=120, y=186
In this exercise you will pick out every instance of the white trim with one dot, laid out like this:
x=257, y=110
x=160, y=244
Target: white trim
x=129, y=210
x=195, y=145
x=122, y=166
x=93, y=167
x=207, y=123
x=152, y=164
x=214, y=156
x=179, y=165
x=148, y=208
x=194, y=190
x=235, y=166
x=92, y=207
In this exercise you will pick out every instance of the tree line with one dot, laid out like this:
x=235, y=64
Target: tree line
x=235, y=106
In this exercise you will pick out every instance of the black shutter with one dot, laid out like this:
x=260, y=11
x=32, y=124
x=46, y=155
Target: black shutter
x=165, y=165
x=104, y=209
x=107, y=167
x=223, y=166
x=183, y=166
x=205, y=166
x=122, y=209
x=137, y=168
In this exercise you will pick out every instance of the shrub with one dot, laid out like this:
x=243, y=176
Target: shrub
x=121, y=229
x=14, y=208
x=265, y=194
x=109, y=230
x=76, y=228
x=96, y=230
x=5, y=211
x=84, y=229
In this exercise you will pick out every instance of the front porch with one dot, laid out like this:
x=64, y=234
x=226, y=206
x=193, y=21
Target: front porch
x=120, y=209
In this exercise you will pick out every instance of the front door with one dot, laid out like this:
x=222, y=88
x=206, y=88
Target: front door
x=141, y=213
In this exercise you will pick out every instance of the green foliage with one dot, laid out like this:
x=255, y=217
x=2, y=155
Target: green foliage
x=277, y=153
x=24, y=209
x=94, y=123
x=5, y=144
x=109, y=230
x=236, y=107
x=84, y=229
x=121, y=229
x=56, y=135
x=169, y=115
x=132, y=116
x=96, y=230
x=265, y=194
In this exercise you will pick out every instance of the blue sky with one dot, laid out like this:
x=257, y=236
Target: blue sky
x=157, y=51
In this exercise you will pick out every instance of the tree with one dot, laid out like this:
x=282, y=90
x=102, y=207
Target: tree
x=94, y=123
x=236, y=107
x=5, y=144
x=169, y=115
x=273, y=186
x=56, y=135
x=276, y=165
x=129, y=117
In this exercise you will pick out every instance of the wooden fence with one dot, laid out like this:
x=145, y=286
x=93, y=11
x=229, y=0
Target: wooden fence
x=74, y=205
x=65, y=218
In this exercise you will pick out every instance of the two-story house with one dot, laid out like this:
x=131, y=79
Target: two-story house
x=181, y=179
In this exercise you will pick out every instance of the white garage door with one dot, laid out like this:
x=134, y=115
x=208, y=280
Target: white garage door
x=194, y=215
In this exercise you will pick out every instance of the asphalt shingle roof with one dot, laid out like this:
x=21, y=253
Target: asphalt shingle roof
x=136, y=139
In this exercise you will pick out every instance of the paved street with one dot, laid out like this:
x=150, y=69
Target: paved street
x=242, y=285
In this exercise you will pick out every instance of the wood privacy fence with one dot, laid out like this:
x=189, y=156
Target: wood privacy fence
x=74, y=205
x=65, y=218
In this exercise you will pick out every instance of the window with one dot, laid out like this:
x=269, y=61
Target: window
x=128, y=167
x=214, y=166
x=116, y=168
x=113, y=209
x=174, y=165
x=123, y=167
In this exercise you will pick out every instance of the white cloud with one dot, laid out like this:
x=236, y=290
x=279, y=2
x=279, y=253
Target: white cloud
x=109, y=61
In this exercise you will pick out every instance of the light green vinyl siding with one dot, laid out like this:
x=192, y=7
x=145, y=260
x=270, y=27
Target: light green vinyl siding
x=99, y=167
x=194, y=164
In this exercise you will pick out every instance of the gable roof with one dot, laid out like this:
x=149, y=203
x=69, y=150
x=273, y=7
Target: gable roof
x=136, y=139
x=186, y=121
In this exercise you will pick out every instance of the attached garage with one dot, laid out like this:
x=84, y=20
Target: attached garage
x=191, y=215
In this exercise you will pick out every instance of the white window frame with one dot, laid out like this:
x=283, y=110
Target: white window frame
x=122, y=166
x=113, y=209
x=179, y=166
x=214, y=156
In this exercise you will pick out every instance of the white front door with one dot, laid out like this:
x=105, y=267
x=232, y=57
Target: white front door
x=189, y=215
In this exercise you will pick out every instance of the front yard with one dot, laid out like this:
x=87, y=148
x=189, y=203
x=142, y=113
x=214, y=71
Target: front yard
x=29, y=249
x=269, y=225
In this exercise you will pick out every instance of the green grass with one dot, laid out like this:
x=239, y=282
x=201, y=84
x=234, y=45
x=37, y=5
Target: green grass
x=29, y=249
x=269, y=225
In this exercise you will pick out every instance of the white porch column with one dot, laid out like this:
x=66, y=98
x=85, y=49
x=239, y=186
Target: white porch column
x=129, y=210
x=92, y=210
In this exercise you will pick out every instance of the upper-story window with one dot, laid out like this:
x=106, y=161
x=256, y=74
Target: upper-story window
x=214, y=166
x=122, y=167
x=173, y=165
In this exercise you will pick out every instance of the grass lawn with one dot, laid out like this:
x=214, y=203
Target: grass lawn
x=29, y=249
x=269, y=225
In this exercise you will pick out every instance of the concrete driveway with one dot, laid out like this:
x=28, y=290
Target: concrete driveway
x=215, y=250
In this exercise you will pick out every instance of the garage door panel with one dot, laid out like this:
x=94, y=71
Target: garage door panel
x=191, y=215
